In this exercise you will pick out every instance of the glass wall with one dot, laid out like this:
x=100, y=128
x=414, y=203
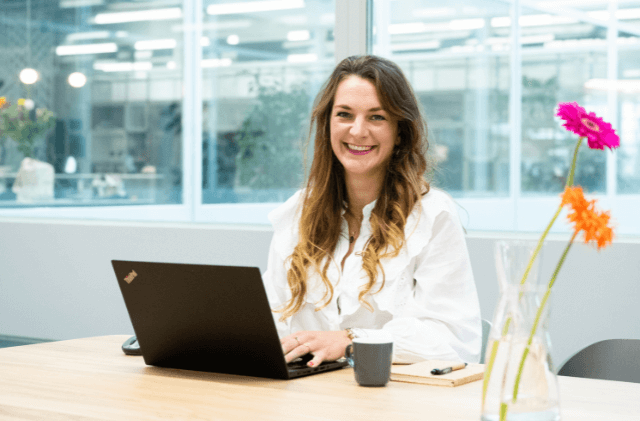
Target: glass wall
x=560, y=55
x=458, y=63
x=108, y=75
x=198, y=109
x=628, y=91
x=261, y=72
x=490, y=86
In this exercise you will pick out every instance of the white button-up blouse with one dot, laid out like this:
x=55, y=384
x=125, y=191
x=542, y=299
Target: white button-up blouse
x=429, y=303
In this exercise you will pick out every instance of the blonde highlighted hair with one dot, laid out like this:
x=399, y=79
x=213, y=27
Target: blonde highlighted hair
x=325, y=194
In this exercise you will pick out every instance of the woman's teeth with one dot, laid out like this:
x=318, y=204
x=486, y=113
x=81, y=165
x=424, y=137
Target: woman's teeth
x=359, y=148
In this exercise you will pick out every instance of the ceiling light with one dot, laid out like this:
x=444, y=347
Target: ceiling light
x=624, y=14
x=65, y=4
x=29, y=76
x=533, y=20
x=123, y=66
x=137, y=16
x=171, y=65
x=83, y=36
x=625, y=86
x=501, y=22
x=537, y=39
x=205, y=42
x=68, y=50
x=233, y=40
x=416, y=46
x=302, y=58
x=573, y=43
x=77, y=79
x=466, y=24
x=303, y=35
x=155, y=44
x=253, y=6
x=216, y=62
x=407, y=28
x=217, y=25
x=436, y=12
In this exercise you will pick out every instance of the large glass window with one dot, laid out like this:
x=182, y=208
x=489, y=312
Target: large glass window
x=197, y=110
x=109, y=74
x=262, y=67
x=560, y=55
x=490, y=75
x=457, y=61
x=628, y=91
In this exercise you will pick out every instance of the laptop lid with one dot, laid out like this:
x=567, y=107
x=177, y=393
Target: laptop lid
x=203, y=317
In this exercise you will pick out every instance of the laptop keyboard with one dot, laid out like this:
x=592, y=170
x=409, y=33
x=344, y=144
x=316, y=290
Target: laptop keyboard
x=300, y=362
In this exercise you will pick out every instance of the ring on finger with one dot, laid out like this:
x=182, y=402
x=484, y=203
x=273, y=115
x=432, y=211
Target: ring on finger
x=307, y=345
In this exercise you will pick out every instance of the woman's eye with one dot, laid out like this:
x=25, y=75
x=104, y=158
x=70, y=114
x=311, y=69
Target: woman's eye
x=342, y=114
x=378, y=117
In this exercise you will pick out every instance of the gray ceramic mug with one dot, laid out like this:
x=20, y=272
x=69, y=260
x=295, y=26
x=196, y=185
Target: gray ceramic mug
x=371, y=360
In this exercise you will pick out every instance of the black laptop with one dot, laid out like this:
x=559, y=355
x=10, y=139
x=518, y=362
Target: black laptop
x=206, y=318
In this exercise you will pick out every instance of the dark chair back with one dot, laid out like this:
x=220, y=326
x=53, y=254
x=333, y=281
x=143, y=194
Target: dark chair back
x=486, y=328
x=612, y=359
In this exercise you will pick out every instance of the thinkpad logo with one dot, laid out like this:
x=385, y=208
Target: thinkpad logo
x=130, y=277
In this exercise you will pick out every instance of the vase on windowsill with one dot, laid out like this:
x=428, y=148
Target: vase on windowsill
x=34, y=181
x=536, y=396
x=26, y=125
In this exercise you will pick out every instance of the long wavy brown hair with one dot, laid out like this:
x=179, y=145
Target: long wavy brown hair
x=325, y=195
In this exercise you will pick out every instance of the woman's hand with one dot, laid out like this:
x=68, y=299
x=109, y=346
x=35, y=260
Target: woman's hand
x=323, y=345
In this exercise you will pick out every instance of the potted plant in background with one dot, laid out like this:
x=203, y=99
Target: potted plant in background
x=25, y=124
x=270, y=148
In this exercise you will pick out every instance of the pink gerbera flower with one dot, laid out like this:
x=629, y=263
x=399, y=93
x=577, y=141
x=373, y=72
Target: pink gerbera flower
x=598, y=132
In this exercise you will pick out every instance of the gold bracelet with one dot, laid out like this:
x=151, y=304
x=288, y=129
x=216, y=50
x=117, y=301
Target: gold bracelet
x=350, y=333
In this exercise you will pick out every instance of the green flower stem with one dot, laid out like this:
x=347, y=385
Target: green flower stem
x=539, y=314
x=572, y=170
x=570, y=178
x=487, y=372
x=503, y=411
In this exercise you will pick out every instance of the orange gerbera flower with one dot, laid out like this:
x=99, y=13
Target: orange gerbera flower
x=3, y=100
x=586, y=218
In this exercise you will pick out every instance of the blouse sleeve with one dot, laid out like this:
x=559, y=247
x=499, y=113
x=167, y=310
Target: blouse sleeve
x=272, y=278
x=284, y=220
x=440, y=319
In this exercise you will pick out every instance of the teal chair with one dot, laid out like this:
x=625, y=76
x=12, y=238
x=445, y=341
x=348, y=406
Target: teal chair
x=612, y=359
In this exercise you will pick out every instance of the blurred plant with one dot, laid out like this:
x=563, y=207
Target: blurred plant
x=270, y=140
x=23, y=123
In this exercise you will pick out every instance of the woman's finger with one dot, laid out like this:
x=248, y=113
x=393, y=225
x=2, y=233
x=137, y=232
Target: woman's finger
x=317, y=360
x=297, y=352
x=290, y=343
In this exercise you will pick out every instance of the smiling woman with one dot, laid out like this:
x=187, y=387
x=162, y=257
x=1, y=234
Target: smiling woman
x=367, y=248
x=363, y=134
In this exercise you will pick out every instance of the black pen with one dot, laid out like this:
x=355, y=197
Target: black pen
x=448, y=369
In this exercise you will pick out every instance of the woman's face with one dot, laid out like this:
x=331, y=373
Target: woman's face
x=363, y=135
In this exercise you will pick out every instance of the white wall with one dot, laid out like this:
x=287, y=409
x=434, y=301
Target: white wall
x=56, y=280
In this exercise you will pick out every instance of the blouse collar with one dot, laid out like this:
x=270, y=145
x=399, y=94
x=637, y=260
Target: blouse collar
x=366, y=211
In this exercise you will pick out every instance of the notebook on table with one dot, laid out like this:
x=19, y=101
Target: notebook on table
x=421, y=373
x=206, y=318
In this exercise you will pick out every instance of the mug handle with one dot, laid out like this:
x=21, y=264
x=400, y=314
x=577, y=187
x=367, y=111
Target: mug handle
x=348, y=353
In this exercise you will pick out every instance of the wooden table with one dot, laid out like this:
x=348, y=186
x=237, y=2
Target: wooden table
x=92, y=379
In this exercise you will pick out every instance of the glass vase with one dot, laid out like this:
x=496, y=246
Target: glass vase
x=520, y=381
